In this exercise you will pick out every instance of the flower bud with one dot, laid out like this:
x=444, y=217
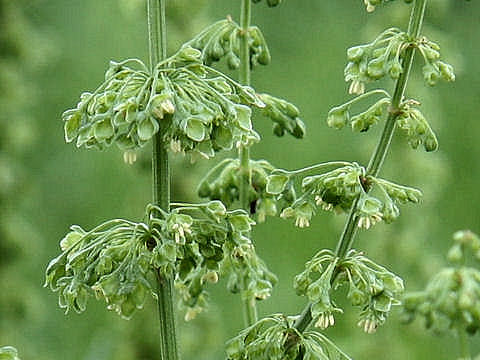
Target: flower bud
x=446, y=70
x=273, y=3
x=430, y=74
x=394, y=69
x=356, y=53
x=455, y=254
x=376, y=68
x=338, y=117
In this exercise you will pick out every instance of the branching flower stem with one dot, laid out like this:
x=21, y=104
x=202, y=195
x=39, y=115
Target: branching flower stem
x=157, y=38
x=249, y=304
x=378, y=157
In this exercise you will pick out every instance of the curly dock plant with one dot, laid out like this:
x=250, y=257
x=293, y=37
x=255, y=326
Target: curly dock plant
x=348, y=187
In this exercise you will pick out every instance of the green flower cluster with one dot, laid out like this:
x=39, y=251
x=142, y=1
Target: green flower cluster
x=332, y=190
x=339, y=116
x=270, y=3
x=284, y=115
x=223, y=183
x=119, y=259
x=249, y=273
x=409, y=119
x=275, y=337
x=384, y=56
x=199, y=109
x=434, y=69
x=370, y=286
x=375, y=60
x=338, y=189
x=8, y=353
x=451, y=300
x=222, y=40
x=416, y=127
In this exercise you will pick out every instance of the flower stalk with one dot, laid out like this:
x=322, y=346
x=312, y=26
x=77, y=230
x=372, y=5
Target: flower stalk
x=378, y=156
x=249, y=303
x=157, y=38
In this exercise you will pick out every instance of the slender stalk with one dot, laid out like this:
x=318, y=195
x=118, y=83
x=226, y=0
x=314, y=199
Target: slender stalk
x=244, y=78
x=464, y=345
x=378, y=156
x=157, y=39
x=249, y=303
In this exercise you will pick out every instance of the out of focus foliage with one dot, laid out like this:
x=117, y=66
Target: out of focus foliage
x=47, y=185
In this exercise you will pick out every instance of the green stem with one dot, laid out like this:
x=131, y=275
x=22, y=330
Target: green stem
x=249, y=303
x=244, y=78
x=464, y=345
x=378, y=156
x=313, y=167
x=157, y=39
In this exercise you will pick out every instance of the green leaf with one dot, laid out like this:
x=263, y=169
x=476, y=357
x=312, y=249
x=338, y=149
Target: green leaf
x=276, y=184
x=195, y=129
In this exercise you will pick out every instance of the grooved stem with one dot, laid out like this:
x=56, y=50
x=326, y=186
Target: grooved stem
x=378, y=156
x=249, y=303
x=157, y=39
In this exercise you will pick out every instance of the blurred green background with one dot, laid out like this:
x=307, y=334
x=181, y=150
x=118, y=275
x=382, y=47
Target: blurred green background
x=51, y=51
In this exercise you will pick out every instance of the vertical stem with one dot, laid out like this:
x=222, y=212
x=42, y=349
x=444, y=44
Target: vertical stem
x=249, y=303
x=157, y=38
x=378, y=156
x=244, y=77
x=464, y=345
